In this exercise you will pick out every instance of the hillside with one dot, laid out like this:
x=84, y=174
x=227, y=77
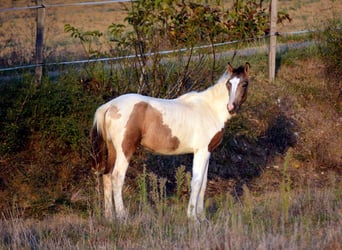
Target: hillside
x=274, y=182
x=278, y=168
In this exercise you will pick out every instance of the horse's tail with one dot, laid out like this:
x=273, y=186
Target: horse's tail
x=97, y=138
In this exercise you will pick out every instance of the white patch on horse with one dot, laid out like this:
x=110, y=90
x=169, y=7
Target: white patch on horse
x=234, y=84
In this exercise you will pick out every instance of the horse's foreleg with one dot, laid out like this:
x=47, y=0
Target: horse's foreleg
x=108, y=198
x=200, y=202
x=199, y=169
x=118, y=179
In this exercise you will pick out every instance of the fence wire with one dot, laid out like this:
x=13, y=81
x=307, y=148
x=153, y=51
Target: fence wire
x=62, y=5
x=165, y=52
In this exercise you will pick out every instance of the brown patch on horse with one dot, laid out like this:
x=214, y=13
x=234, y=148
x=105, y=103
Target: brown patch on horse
x=113, y=112
x=215, y=141
x=111, y=157
x=145, y=125
x=133, y=132
x=97, y=149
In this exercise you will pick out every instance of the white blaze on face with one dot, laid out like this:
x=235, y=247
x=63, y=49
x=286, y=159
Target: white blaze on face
x=234, y=84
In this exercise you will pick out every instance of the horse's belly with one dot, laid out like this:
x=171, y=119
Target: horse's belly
x=165, y=144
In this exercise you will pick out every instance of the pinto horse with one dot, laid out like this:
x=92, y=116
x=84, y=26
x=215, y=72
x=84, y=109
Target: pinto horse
x=192, y=123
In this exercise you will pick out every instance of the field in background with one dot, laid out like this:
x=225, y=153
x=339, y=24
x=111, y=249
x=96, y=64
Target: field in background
x=17, y=28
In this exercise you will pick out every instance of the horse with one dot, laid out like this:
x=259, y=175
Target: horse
x=192, y=123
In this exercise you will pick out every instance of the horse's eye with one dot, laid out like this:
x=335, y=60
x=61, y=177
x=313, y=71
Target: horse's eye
x=245, y=84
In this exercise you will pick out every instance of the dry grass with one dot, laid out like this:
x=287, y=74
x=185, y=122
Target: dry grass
x=17, y=33
x=307, y=219
x=295, y=203
x=292, y=201
x=321, y=124
x=309, y=14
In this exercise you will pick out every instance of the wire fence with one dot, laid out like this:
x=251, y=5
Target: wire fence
x=163, y=52
x=62, y=5
x=107, y=59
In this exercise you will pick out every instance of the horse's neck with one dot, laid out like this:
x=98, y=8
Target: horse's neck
x=217, y=98
x=218, y=93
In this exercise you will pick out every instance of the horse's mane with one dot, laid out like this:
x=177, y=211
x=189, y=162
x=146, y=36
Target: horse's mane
x=217, y=86
x=188, y=96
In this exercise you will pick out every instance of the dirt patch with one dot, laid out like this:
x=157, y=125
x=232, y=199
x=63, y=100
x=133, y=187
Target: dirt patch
x=309, y=14
x=316, y=114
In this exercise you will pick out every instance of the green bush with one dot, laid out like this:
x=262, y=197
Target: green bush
x=331, y=52
x=15, y=115
x=58, y=111
x=44, y=138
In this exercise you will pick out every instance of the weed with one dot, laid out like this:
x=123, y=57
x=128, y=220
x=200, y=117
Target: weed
x=157, y=192
x=285, y=187
x=180, y=181
x=142, y=187
x=249, y=208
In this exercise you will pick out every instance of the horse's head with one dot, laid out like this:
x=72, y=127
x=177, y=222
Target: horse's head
x=237, y=85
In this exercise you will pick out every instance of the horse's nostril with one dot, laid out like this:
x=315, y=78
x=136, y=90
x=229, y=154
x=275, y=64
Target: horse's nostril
x=231, y=107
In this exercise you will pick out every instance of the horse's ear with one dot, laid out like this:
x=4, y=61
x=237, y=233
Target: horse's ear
x=230, y=68
x=246, y=68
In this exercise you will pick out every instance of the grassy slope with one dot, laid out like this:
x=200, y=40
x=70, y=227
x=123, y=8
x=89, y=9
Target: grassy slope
x=284, y=193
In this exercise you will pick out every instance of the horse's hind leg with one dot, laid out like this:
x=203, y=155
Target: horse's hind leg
x=118, y=179
x=108, y=197
x=107, y=182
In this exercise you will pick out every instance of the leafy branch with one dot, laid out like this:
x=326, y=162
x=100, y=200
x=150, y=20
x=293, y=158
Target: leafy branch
x=86, y=38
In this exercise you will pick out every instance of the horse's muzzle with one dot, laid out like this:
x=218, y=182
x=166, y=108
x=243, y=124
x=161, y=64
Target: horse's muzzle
x=232, y=109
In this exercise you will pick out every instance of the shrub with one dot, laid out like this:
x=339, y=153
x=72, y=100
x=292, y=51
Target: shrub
x=331, y=53
x=44, y=139
x=15, y=122
x=58, y=111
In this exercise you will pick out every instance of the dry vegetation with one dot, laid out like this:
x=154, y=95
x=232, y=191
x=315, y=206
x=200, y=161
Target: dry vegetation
x=17, y=28
x=274, y=183
x=305, y=219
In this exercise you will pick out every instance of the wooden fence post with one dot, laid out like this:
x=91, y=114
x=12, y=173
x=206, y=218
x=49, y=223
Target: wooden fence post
x=40, y=40
x=273, y=40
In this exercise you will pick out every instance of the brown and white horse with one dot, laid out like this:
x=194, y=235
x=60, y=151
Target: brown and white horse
x=192, y=123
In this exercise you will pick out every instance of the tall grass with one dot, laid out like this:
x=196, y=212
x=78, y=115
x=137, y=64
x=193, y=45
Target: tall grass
x=314, y=219
x=54, y=183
